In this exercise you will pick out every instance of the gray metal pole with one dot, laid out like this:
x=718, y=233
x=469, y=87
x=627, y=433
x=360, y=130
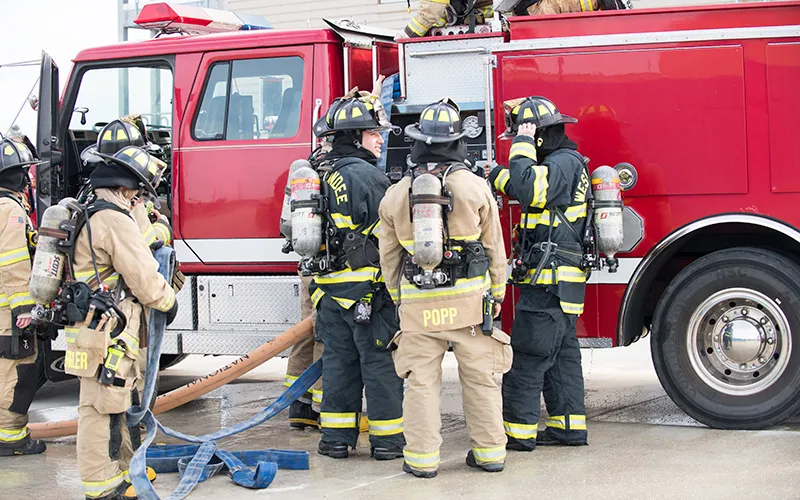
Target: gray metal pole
x=123, y=74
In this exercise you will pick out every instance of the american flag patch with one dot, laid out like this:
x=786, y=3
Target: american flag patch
x=16, y=221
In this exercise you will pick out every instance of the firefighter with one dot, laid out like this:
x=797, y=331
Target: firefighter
x=547, y=7
x=550, y=179
x=355, y=317
x=18, y=372
x=456, y=312
x=304, y=412
x=440, y=13
x=107, y=367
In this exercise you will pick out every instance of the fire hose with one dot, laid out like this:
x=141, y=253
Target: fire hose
x=199, y=387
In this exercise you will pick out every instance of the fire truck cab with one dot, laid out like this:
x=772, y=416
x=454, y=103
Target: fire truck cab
x=697, y=107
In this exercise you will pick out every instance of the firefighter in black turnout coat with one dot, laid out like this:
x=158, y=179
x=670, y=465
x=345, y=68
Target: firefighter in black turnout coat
x=550, y=179
x=356, y=318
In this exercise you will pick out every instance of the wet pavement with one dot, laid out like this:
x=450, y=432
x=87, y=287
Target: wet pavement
x=641, y=446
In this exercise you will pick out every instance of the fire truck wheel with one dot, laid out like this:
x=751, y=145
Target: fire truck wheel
x=726, y=339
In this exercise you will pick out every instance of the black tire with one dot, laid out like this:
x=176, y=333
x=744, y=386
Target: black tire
x=760, y=273
x=168, y=360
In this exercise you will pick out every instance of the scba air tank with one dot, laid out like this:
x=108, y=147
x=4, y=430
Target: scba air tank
x=608, y=207
x=286, y=208
x=304, y=186
x=428, y=223
x=47, y=272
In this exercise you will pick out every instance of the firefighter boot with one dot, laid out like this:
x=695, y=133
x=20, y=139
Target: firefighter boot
x=425, y=474
x=25, y=446
x=549, y=438
x=333, y=450
x=301, y=415
x=116, y=493
x=382, y=453
x=516, y=445
x=488, y=467
x=128, y=493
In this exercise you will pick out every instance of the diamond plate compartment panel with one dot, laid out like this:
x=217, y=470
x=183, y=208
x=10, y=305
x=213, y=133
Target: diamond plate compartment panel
x=183, y=321
x=269, y=303
x=428, y=65
x=228, y=342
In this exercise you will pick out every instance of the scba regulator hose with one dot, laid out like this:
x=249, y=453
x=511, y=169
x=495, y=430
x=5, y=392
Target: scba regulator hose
x=201, y=386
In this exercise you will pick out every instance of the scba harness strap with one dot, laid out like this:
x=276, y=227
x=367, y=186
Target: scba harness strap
x=461, y=259
x=578, y=254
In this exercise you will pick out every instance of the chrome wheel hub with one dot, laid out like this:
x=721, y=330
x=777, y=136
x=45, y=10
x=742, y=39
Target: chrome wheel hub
x=739, y=341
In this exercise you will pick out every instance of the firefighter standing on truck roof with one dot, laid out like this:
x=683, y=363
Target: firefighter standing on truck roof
x=548, y=7
x=440, y=13
x=355, y=316
x=119, y=255
x=457, y=311
x=19, y=374
x=550, y=179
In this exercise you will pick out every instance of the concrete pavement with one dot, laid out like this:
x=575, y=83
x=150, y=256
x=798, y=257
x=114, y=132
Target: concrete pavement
x=641, y=446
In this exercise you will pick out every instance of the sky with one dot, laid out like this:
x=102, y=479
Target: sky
x=36, y=25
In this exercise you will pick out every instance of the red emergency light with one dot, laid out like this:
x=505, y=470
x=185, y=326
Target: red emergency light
x=190, y=19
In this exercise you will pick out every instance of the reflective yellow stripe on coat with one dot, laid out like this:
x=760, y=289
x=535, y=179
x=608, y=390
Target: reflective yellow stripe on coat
x=545, y=218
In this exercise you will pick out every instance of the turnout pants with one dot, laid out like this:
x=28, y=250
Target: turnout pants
x=351, y=362
x=305, y=352
x=104, y=440
x=434, y=13
x=18, y=383
x=547, y=359
x=547, y=7
x=419, y=359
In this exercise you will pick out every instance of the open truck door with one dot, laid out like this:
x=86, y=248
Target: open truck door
x=48, y=144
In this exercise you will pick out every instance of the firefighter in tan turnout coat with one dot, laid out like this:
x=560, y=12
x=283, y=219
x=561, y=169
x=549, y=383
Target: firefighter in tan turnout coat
x=123, y=261
x=432, y=316
x=18, y=371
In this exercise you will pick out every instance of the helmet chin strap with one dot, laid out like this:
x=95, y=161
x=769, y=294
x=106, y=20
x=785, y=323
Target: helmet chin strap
x=138, y=195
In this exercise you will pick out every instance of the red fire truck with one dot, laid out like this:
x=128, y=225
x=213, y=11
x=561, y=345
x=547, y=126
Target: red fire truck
x=699, y=105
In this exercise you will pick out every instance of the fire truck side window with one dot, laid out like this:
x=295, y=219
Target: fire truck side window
x=251, y=99
x=210, y=122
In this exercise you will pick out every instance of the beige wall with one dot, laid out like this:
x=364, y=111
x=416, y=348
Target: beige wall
x=288, y=14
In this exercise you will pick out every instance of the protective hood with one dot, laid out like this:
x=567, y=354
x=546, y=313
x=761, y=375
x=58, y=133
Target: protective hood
x=14, y=179
x=438, y=153
x=112, y=175
x=348, y=145
x=553, y=138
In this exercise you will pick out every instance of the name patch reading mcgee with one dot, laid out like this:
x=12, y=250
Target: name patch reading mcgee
x=439, y=317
